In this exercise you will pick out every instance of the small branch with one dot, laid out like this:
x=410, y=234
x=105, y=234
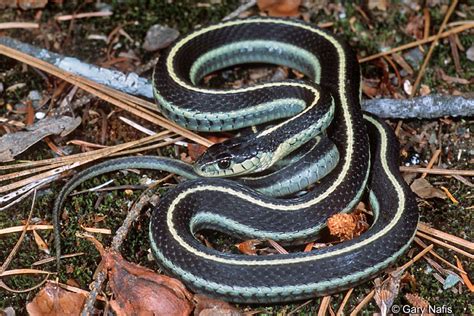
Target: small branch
x=430, y=106
x=323, y=307
x=465, y=26
x=434, y=254
x=432, y=46
x=99, y=14
x=444, y=172
x=442, y=235
x=340, y=310
x=244, y=7
x=18, y=25
x=445, y=245
x=399, y=270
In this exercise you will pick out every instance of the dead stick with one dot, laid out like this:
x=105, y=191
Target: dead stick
x=430, y=51
x=445, y=245
x=455, y=30
x=423, y=227
x=444, y=172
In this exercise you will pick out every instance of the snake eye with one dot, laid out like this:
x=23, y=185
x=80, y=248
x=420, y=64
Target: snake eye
x=224, y=161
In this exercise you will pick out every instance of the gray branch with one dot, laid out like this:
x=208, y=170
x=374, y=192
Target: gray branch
x=427, y=107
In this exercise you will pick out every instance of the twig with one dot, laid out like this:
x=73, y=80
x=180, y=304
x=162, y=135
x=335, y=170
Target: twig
x=18, y=25
x=369, y=296
x=445, y=245
x=298, y=308
x=127, y=102
x=20, y=240
x=324, y=305
x=69, y=17
x=51, y=259
x=445, y=172
x=434, y=254
x=239, y=10
x=17, y=229
x=464, y=27
x=433, y=159
x=445, y=236
x=340, y=310
x=433, y=45
x=362, y=303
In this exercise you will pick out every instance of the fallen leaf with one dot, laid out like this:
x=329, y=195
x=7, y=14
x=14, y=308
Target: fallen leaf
x=53, y=300
x=416, y=301
x=206, y=306
x=16, y=143
x=280, y=7
x=387, y=291
x=40, y=242
x=425, y=190
x=139, y=291
x=248, y=247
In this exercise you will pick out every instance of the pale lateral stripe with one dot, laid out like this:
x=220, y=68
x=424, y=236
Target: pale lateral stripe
x=393, y=222
x=243, y=47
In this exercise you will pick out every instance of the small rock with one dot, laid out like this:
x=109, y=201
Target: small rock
x=40, y=115
x=470, y=53
x=35, y=97
x=158, y=37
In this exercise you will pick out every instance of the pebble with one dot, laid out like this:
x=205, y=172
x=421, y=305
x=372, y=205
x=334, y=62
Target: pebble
x=158, y=37
x=35, y=97
x=40, y=115
x=470, y=53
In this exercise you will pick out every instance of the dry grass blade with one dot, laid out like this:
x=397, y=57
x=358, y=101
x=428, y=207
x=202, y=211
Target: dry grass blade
x=340, y=310
x=24, y=271
x=433, y=159
x=18, y=25
x=465, y=26
x=433, y=45
x=324, y=305
x=17, y=229
x=103, y=152
x=445, y=245
x=434, y=254
x=369, y=296
x=444, y=172
x=129, y=103
x=445, y=236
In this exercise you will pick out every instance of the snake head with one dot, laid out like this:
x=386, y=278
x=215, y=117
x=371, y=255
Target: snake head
x=232, y=157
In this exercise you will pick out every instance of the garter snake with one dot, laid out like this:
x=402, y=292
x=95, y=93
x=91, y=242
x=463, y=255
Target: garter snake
x=303, y=110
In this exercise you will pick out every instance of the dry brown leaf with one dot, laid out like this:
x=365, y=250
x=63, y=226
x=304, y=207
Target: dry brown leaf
x=280, y=7
x=248, y=247
x=425, y=190
x=139, y=291
x=206, y=306
x=417, y=301
x=387, y=291
x=53, y=300
x=40, y=242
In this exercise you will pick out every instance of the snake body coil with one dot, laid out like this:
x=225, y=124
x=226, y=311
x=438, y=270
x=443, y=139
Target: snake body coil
x=303, y=111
